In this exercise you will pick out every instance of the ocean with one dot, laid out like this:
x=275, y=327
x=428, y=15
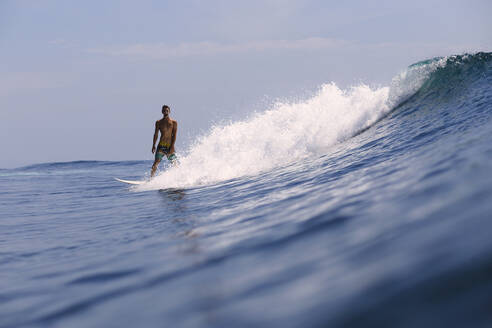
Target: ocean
x=358, y=207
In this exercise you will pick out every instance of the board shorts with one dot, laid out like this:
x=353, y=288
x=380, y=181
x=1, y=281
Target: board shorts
x=164, y=149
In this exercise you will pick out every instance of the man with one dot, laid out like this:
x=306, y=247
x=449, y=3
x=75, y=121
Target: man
x=168, y=128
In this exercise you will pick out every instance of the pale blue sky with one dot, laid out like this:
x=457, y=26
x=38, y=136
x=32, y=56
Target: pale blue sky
x=85, y=80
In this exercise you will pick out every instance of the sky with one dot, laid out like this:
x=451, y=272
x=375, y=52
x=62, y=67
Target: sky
x=86, y=80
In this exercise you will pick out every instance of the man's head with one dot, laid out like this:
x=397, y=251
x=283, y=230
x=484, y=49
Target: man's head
x=166, y=110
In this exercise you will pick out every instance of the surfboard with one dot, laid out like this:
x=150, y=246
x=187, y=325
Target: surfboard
x=132, y=182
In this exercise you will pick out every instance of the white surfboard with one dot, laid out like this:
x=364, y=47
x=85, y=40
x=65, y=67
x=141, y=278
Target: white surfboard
x=132, y=182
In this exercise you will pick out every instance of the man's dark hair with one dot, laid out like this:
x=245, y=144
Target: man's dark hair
x=166, y=106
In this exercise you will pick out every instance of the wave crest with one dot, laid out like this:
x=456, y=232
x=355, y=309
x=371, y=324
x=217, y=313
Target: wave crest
x=290, y=132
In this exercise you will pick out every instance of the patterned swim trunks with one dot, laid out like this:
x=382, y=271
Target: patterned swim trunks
x=164, y=149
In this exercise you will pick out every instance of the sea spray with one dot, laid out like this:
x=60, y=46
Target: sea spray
x=286, y=133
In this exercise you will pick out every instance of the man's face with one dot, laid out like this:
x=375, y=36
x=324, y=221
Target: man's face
x=165, y=111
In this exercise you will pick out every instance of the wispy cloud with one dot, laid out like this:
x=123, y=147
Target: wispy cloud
x=162, y=50
x=11, y=83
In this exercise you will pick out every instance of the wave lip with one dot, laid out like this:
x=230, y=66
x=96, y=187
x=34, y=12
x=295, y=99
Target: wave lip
x=440, y=77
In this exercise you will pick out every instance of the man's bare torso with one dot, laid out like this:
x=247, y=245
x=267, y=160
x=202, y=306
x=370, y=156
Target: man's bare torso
x=165, y=126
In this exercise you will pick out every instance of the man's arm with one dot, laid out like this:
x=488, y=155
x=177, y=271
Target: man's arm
x=173, y=137
x=156, y=134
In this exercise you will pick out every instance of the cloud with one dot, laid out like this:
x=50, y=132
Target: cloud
x=158, y=51
x=162, y=50
x=11, y=83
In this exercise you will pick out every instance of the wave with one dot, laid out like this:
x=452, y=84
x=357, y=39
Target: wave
x=75, y=164
x=56, y=168
x=291, y=132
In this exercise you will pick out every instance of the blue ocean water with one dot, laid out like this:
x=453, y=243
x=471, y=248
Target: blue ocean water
x=354, y=208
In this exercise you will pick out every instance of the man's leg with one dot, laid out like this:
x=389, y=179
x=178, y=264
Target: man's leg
x=154, y=167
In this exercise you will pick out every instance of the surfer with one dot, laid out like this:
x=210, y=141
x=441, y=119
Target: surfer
x=168, y=128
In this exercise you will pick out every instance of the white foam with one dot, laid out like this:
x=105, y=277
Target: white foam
x=287, y=132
